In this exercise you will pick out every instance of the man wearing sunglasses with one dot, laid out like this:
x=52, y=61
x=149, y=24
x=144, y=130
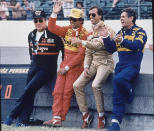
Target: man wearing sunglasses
x=71, y=67
x=44, y=48
x=98, y=64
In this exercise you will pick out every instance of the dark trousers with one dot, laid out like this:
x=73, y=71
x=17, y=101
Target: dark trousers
x=123, y=90
x=35, y=80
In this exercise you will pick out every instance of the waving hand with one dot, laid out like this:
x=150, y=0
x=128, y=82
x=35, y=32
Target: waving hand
x=57, y=7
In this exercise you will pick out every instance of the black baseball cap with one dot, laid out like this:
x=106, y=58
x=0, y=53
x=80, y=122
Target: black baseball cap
x=39, y=14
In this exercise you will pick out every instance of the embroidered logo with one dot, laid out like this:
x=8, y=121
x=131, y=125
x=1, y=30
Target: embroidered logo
x=37, y=13
x=42, y=49
x=50, y=40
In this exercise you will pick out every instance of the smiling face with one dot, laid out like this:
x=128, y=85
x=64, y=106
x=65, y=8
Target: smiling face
x=126, y=21
x=94, y=17
x=75, y=22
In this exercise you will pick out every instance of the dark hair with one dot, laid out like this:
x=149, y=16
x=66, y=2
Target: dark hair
x=99, y=11
x=130, y=12
x=81, y=3
x=13, y=2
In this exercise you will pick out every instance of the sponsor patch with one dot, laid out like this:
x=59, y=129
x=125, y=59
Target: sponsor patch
x=50, y=40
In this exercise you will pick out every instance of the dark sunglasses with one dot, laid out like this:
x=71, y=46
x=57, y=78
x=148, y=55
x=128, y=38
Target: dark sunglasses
x=74, y=19
x=92, y=14
x=38, y=20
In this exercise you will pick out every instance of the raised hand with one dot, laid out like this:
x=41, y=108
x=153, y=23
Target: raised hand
x=57, y=7
x=103, y=31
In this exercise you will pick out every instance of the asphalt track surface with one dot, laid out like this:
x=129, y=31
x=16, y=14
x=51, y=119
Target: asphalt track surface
x=20, y=55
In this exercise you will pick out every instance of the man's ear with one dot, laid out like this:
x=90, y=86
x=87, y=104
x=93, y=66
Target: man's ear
x=132, y=17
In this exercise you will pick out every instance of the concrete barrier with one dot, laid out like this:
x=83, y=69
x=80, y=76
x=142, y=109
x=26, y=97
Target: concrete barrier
x=139, y=114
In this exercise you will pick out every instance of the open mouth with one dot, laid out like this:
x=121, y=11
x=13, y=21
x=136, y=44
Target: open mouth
x=73, y=25
x=92, y=20
x=122, y=22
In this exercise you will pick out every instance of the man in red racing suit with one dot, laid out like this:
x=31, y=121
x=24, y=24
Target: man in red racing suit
x=71, y=67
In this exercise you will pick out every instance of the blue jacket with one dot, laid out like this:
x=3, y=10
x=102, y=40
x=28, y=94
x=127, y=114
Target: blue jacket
x=130, y=51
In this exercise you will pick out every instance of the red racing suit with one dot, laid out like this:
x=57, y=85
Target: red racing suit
x=73, y=57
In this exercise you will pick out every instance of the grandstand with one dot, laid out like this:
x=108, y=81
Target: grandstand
x=142, y=7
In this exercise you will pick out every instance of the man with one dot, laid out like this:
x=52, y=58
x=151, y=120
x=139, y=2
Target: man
x=27, y=8
x=71, y=67
x=129, y=42
x=44, y=48
x=98, y=64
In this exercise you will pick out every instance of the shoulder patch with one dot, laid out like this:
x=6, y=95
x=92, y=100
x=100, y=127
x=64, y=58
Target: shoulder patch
x=136, y=28
x=141, y=33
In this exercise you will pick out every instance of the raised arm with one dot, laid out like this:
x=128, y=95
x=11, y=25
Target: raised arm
x=58, y=30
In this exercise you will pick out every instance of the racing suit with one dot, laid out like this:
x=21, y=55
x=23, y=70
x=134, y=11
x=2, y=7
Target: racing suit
x=100, y=64
x=74, y=56
x=130, y=53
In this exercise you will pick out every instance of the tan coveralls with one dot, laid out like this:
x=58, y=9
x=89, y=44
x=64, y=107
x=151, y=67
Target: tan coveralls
x=101, y=64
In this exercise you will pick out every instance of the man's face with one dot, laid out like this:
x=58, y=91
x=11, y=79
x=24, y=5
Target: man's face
x=75, y=22
x=40, y=24
x=126, y=21
x=94, y=17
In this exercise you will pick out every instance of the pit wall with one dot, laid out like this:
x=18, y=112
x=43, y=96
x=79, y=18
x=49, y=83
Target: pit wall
x=14, y=33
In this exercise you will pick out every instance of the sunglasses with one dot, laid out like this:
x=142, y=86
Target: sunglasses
x=38, y=20
x=74, y=19
x=92, y=14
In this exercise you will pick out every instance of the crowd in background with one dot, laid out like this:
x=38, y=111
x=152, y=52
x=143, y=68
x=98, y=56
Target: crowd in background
x=14, y=10
x=23, y=9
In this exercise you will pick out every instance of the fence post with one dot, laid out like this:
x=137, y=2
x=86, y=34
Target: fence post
x=138, y=8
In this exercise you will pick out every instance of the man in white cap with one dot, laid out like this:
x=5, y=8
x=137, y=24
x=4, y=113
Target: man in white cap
x=71, y=67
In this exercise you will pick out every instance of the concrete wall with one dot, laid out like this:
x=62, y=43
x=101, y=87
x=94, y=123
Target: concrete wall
x=14, y=33
x=139, y=114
